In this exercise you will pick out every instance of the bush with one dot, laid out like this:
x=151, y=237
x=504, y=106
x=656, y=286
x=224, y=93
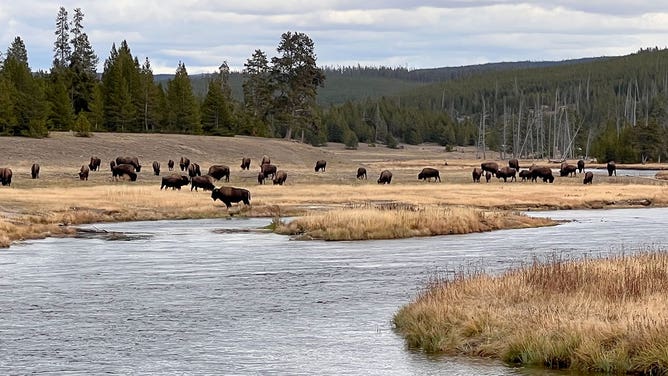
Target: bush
x=82, y=125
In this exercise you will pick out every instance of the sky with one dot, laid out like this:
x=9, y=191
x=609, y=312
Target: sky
x=411, y=34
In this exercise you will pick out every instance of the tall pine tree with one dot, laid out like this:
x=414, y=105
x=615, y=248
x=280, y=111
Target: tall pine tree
x=183, y=110
x=216, y=111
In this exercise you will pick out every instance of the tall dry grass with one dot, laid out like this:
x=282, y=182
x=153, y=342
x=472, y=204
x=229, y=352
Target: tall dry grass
x=402, y=221
x=608, y=315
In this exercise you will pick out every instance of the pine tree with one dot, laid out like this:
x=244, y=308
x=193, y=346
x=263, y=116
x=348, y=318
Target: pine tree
x=183, y=113
x=257, y=87
x=217, y=107
x=121, y=91
x=83, y=65
x=150, y=99
x=7, y=117
x=61, y=48
x=61, y=115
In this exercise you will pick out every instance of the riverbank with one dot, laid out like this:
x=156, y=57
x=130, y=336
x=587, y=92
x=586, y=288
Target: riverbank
x=606, y=315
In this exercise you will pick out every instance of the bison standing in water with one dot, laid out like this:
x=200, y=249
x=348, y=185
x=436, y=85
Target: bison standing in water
x=174, y=181
x=361, y=173
x=170, y=165
x=245, y=163
x=476, y=173
x=492, y=167
x=612, y=168
x=94, y=163
x=205, y=182
x=156, y=168
x=34, y=171
x=228, y=195
x=133, y=161
x=427, y=173
x=385, y=177
x=320, y=165
x=219, y=171
x=83, y=172
x=589, y=177
x=6, y=176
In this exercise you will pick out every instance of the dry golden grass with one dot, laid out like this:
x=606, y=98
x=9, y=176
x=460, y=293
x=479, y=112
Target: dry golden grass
x=402, y=221
x=608, y=315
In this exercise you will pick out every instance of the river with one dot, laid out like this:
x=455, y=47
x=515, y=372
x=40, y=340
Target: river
x=181, y=298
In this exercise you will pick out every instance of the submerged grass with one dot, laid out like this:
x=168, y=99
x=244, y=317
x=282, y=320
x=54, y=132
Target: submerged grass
x=607, y=315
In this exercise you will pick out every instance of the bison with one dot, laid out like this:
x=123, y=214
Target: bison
x=156, y=168
x=265, y=160
x=184, y=163
x=174, y=181
x=544, y=173
x=245, y=163
x=170, y=165
x=514, y=163
x=134, y=161
x=124, y=169
x=280, y=178
x=219, y=171
x=228, y=195
x=581, y=165
x=83, y=172
x=320, y=165
x=427, y=173
x=488, y=175
x=505, y=173
x=205, y=182
x=268, y=169
x=612, y=168
x=525, y=175
x=260, y=178
x=492, y=167
x=361, y=173
x=194, y=170
x=589, y=177
x=476, y=173
x=6, y=176
x=94, y=163
x=385, y=177
x=568, y=170
x=34, y=171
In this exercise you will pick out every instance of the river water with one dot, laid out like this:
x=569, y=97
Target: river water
x=184, y=299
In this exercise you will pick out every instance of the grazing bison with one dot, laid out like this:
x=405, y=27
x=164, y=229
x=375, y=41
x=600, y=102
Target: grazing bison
x=492, y=167
x=83, y=172
x=280, y=178
x=134, y=161
x=205, y=182
x=194, y=170
x=170, y=165
x=544, y=173
x=156, y=168
x=112, y=164
x=589, y=177
x=184, y=163
x=269, y=169
x=427, y=173
x=94, y=163
x=228, y=195
x=361, y=173
x=505, y=173
x=514, y=163
x=385, y=177
x=34, y=171
x=568, y=170
x=6, y=176
x=174, y=181
x=245, y=163
x=477, y=173
x=265, y=160
x=581, y=166
x=612, y=168
x=260, y=178
x=488, y=175
x=320, y=165
x=124, y=169
x=219, y=171
x=525, y=174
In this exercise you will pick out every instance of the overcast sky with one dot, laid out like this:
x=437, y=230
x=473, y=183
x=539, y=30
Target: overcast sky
x=412, y=34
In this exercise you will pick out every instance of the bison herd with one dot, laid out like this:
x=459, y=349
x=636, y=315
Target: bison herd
x=534, y=173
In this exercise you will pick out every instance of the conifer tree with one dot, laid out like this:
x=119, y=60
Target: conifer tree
x=83, y=65
x=183, y=110
x=61, y=48
x=257, y=87
x=216, y=111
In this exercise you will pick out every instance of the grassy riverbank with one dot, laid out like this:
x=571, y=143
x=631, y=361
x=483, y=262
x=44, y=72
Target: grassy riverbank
x=608, y=315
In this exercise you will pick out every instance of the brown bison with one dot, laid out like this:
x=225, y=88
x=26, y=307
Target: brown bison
x=280, y=178
x=476, y=173
x=260, y=178
x=156, y=168
x=245, y=163
x=134, y=161
x=427, y=173
x=265, y=160
x=194, y=170
x=170, y=165
x=525, y=175
x=6, y=176
x=123, y=169
x=492, y=167
x=228, y=195
x=544, y=173
x=174, y=181
x=514, y=163
x=568, y=170
x=612, y=168
x=361, y=173
x=505, y=173
x=385, y=177
x=589, y=177
x=83, y=172
x=219, y=171
x=34, y=171
x=488, y=176
x=320, y=165
x=184, y=163
x=94, y=163
x=205, y=182
x=581, y=165
x=269, y=169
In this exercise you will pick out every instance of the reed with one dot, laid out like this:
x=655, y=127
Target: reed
x=605, y=315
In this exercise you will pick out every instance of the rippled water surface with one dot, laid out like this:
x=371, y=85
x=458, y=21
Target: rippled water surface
x=183, y=299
